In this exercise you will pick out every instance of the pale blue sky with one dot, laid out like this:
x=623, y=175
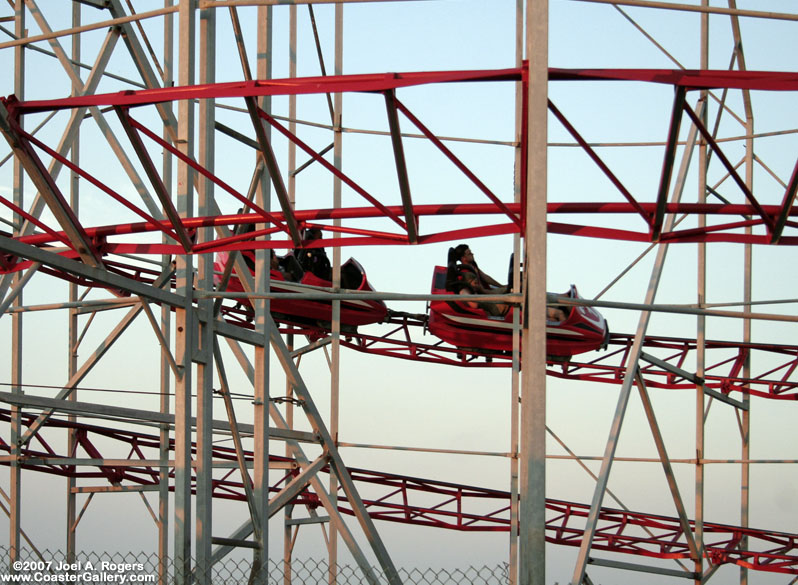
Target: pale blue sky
x=401, y=403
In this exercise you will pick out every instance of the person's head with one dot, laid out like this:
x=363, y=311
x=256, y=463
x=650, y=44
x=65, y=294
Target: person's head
x=313, y=233
x=275, y=261
x=462, y=253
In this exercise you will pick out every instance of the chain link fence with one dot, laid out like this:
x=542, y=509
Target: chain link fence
x=129, y=568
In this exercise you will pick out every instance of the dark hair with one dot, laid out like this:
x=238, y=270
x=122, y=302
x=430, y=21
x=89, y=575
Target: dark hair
x=312, y=233
x=456, y=253
x=455, y=280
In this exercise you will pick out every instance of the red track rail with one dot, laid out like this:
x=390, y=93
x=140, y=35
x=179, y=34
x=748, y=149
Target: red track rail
x=725, y=360
x=769, y=221
x=422, y=502
x=404, y=336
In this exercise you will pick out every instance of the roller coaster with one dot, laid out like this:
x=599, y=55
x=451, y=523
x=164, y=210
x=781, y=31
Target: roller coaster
x=205, y=268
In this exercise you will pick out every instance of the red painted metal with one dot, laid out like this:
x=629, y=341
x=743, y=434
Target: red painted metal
x=402, y=336
x=600, y=163
x=264, y=215
x=378, y=82
x=767, y=215
x=354, y=312
x=466, y=326
x=420, y=502
x=336, y=172
x=456, y=506
x=692, y=79
x=401, y=339
x=729, y=166
x=458, y=163
x=367, y=237
x=99, y=184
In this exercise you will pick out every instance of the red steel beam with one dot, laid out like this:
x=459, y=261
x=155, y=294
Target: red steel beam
x=453, y=210
x=101, y=186
x=423, y=502
x=411, y=221
x=667, y=163
x=161, y=191
x=503, y=207
x=786, y=206
x=338, y=173
x=275, y=219
x=276, y=177
x=47, y=187
x=729, y=166
x=378, y=82
x=600, y=163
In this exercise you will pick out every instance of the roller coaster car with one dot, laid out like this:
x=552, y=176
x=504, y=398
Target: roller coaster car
x=354, y=312
x=456, y=323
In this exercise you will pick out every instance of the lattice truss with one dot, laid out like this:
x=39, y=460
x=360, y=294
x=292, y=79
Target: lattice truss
x=158, y=227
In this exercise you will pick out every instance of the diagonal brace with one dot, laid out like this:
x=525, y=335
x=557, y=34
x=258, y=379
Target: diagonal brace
x=601, y=164
x=401, y=167
x=155, y=178
x=786, y=206
x=49, y=190
x=667, y=162
x=730, y=168
x=684, y=522
x=296, y=485
x=274, y=170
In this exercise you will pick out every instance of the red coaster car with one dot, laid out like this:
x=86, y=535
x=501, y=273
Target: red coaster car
x=354, y=312
x=583, y=329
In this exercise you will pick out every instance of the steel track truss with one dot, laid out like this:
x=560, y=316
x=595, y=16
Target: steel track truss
x=87, y=255
x=775, y=219
x=723, y=373
x=402, y=499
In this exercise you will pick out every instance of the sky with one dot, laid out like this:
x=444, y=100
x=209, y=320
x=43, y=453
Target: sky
x=400, y=403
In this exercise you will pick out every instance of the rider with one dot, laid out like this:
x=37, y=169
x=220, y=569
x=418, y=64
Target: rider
x=313, y=259
x=463, y=276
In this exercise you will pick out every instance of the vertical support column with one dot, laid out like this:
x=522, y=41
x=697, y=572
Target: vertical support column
x=288, y=541
x=701, y=286
x=516, y=368
x=745, y=427
x=72, y=333
x=532, y=545
x=166, y=325
x=15, y=479
x=204, y=466
x=745, y=430
x=745, y=423
x=184, y=316
x=263, y=327
x=336, y=315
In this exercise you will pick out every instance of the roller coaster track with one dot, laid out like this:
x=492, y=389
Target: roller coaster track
x=409, y=500
x=391, y=497
x=667, y=359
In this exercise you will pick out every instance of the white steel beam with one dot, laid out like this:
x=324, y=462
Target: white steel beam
x=72, y=328
x=246, y=480
x=205, y=341
x=684, y=521
x=635, y=353
x=532, y=511
x=297, y=453
x=337, y=112
x=15, y=472
x=186, y=326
